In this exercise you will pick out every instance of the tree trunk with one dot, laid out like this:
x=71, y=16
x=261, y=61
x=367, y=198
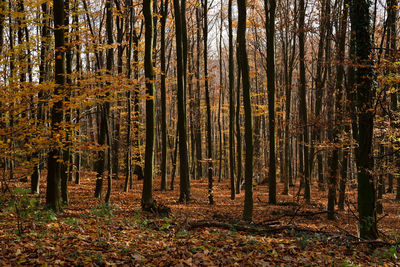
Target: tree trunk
x=270, y=6
x=231, y=106
x=303, y=102
x=147, y=194
x=164, y=14
x=360, y=18
x=53, y=194
x=248, y=201
x=65, y=166
x=339, y=100
x=208, y=105
x=106, y=111
x=128, y=155
x=198, y=100
x=183, y=151
x=221, y=100
x=43, y=72
x=319, y=86
x=238, y=130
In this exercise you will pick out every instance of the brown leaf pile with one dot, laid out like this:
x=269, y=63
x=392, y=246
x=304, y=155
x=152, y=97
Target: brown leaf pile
x=89, y=234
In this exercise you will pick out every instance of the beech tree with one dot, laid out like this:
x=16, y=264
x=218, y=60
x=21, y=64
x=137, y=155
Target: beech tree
x=361, y=21
x=53, y=194
x=270, y=7
x=242, y=50
x=147, y=198
x=181, y=69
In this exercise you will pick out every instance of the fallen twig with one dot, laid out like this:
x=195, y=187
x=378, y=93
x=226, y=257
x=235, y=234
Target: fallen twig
x=266, y=229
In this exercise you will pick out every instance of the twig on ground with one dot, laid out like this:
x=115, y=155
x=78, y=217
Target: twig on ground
x=254, y=229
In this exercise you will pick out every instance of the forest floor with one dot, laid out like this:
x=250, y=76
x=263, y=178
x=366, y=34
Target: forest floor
x=291, y=233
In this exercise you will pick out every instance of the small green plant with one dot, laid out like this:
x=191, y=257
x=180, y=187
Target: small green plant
x=166, y=224
x=347, y=263
x=104, y=211
x=140, y=220
x=303, y=240
x=386, y=253
x=28, y=208
x=72, y=221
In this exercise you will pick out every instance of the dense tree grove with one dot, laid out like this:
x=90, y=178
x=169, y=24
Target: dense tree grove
x=290, y=92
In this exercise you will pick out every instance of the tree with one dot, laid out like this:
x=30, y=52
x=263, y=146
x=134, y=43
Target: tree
x=197, y=130
x=105, y=112
x=53, y=194
x=289, y=53
x=238, y=130
x=231, y=105
x=43, y=71
x=303, y=101
x=270, y=6
x=241, y=35
x=361, y=19
x=2, y=19
x=208, y=104
x=65, y=169
x=319, y=87
x=183, y=151
x=147, y=194
x=164, y=14
x=335, y=130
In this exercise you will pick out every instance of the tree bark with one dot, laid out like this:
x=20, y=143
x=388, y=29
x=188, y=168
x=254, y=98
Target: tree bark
x=164, y=13
x=361, y=19
x=248, y=201
x=303, y=102
x=208, y=105
x=53, y=194
x=147, y=194
x=231, y=105
x=270, y=6
x=184, y=195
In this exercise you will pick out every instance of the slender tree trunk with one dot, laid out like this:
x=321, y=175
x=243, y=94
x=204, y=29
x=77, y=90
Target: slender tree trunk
x=339, y=99
x=303, y=102
x=198, y=100
x=106, y=110
x=65, y=169
x=270, y=6
x=221, y=100
x=238, y=130
x=186, y=176
x=183, y=151
x=128, y=155
x=288, y=70
x=35, y=177
x=208, y=104
x=53, y=194
x=335, y=130
x=231, y=105
x=248, y=201
x=137, y=168
x=78, y=153
x=116, y=116
x=380, y=184
x=2, y=19
x=147, y=194
x=164, y=14
x=174, y=159
x=319, y=84
x=392, y=27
